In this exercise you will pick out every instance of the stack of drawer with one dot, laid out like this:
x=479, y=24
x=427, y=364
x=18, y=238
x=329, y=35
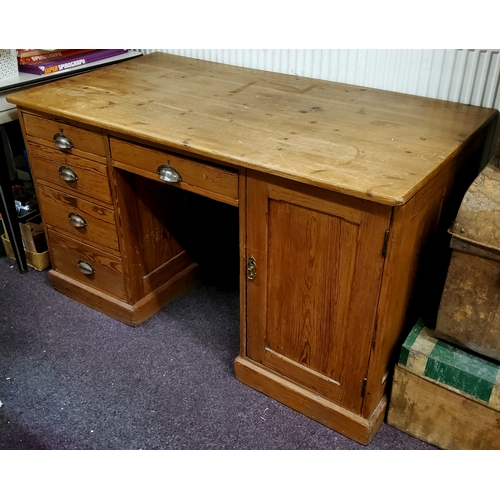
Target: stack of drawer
x=70, y=172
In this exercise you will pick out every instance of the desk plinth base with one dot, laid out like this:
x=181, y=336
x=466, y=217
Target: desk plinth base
x=308, y=402
x=134, y=314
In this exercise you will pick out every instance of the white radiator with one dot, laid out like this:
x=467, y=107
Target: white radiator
x=470, y=76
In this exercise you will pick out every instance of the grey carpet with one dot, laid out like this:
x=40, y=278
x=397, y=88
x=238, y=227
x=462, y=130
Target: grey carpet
x=72, y=378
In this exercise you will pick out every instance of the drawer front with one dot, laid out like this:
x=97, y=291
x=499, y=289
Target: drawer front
x=208, y=180
x=58, y=168
x=83, y=220
x=85, y=142
x=66, y=254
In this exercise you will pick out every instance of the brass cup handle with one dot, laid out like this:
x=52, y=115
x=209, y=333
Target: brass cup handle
x=76, y=220
x=62, y=142
x=251, y=268
x=68, y=174
x=168, y=174
x=85, y=267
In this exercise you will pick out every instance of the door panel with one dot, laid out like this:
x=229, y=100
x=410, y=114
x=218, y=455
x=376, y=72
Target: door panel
x=312, y=304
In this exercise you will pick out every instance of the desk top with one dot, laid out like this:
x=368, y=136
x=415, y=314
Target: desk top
x=369, y=143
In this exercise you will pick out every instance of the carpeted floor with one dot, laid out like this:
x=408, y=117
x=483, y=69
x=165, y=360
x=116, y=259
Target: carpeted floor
x=74, y=379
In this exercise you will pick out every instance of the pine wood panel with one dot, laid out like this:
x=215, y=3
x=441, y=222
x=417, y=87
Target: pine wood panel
x=100, y=229
x=418, y=257
x=243, y=258
x=130, y=314
x=66, y=252
x=166, y=271
x=152, y=231
x=309, y=402
x=317, y=288
x=197, y=177
x=87, y=143
x=92, y=176
x=314, y=269
x=369, y=143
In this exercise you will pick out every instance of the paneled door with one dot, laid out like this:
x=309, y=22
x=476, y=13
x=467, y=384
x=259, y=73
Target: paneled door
x=314, y=266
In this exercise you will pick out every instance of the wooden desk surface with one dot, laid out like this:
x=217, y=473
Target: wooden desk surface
x=372, y=144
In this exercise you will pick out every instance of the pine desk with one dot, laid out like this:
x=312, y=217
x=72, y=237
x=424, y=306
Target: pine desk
x=341, y=193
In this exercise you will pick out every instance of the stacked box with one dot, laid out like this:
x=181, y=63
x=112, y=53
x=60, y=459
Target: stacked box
x=444, y=395
x=34, y=242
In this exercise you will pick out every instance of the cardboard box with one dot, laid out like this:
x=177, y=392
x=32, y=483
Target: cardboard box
x=35, y=245
x=38, y=261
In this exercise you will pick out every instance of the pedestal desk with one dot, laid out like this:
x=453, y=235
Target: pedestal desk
x=342, y=194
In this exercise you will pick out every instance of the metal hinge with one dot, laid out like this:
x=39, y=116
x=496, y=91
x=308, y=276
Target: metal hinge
x=386, y=243
x=251, y=268
x=363, y=388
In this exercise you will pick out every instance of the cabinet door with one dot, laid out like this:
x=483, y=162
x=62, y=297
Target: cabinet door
x=311, y=306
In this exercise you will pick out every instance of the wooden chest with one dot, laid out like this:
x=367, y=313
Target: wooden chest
x=340, y=197
x=469, y=312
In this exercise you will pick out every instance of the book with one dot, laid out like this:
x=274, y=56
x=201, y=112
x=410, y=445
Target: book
x=65, y=63
x=33, y=52
x=38, y=56
x=29, y=52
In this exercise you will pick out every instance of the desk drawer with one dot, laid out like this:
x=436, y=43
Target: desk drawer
x=71, y=257
x=85, y=142
x=91, y=177
x=83, y=220
x=205, y=179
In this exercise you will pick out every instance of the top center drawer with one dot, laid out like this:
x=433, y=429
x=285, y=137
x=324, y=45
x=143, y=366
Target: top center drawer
x=197, y=176
x=64, y=137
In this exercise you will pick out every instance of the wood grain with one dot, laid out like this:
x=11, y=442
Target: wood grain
x=58, y=205
x=368, y=143
x=66, y=252
x=152, y=231
x=130, y=314
x=418, y=257
x=88, y=144
x=92, y=180
x=308, y=402
x=315, y=271
x=197, y=177
x=441, y=417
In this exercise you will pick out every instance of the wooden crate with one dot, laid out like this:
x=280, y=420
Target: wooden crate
x=445, y=396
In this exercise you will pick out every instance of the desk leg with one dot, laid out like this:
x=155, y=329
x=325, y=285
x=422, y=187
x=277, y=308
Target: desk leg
x=9, y=214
